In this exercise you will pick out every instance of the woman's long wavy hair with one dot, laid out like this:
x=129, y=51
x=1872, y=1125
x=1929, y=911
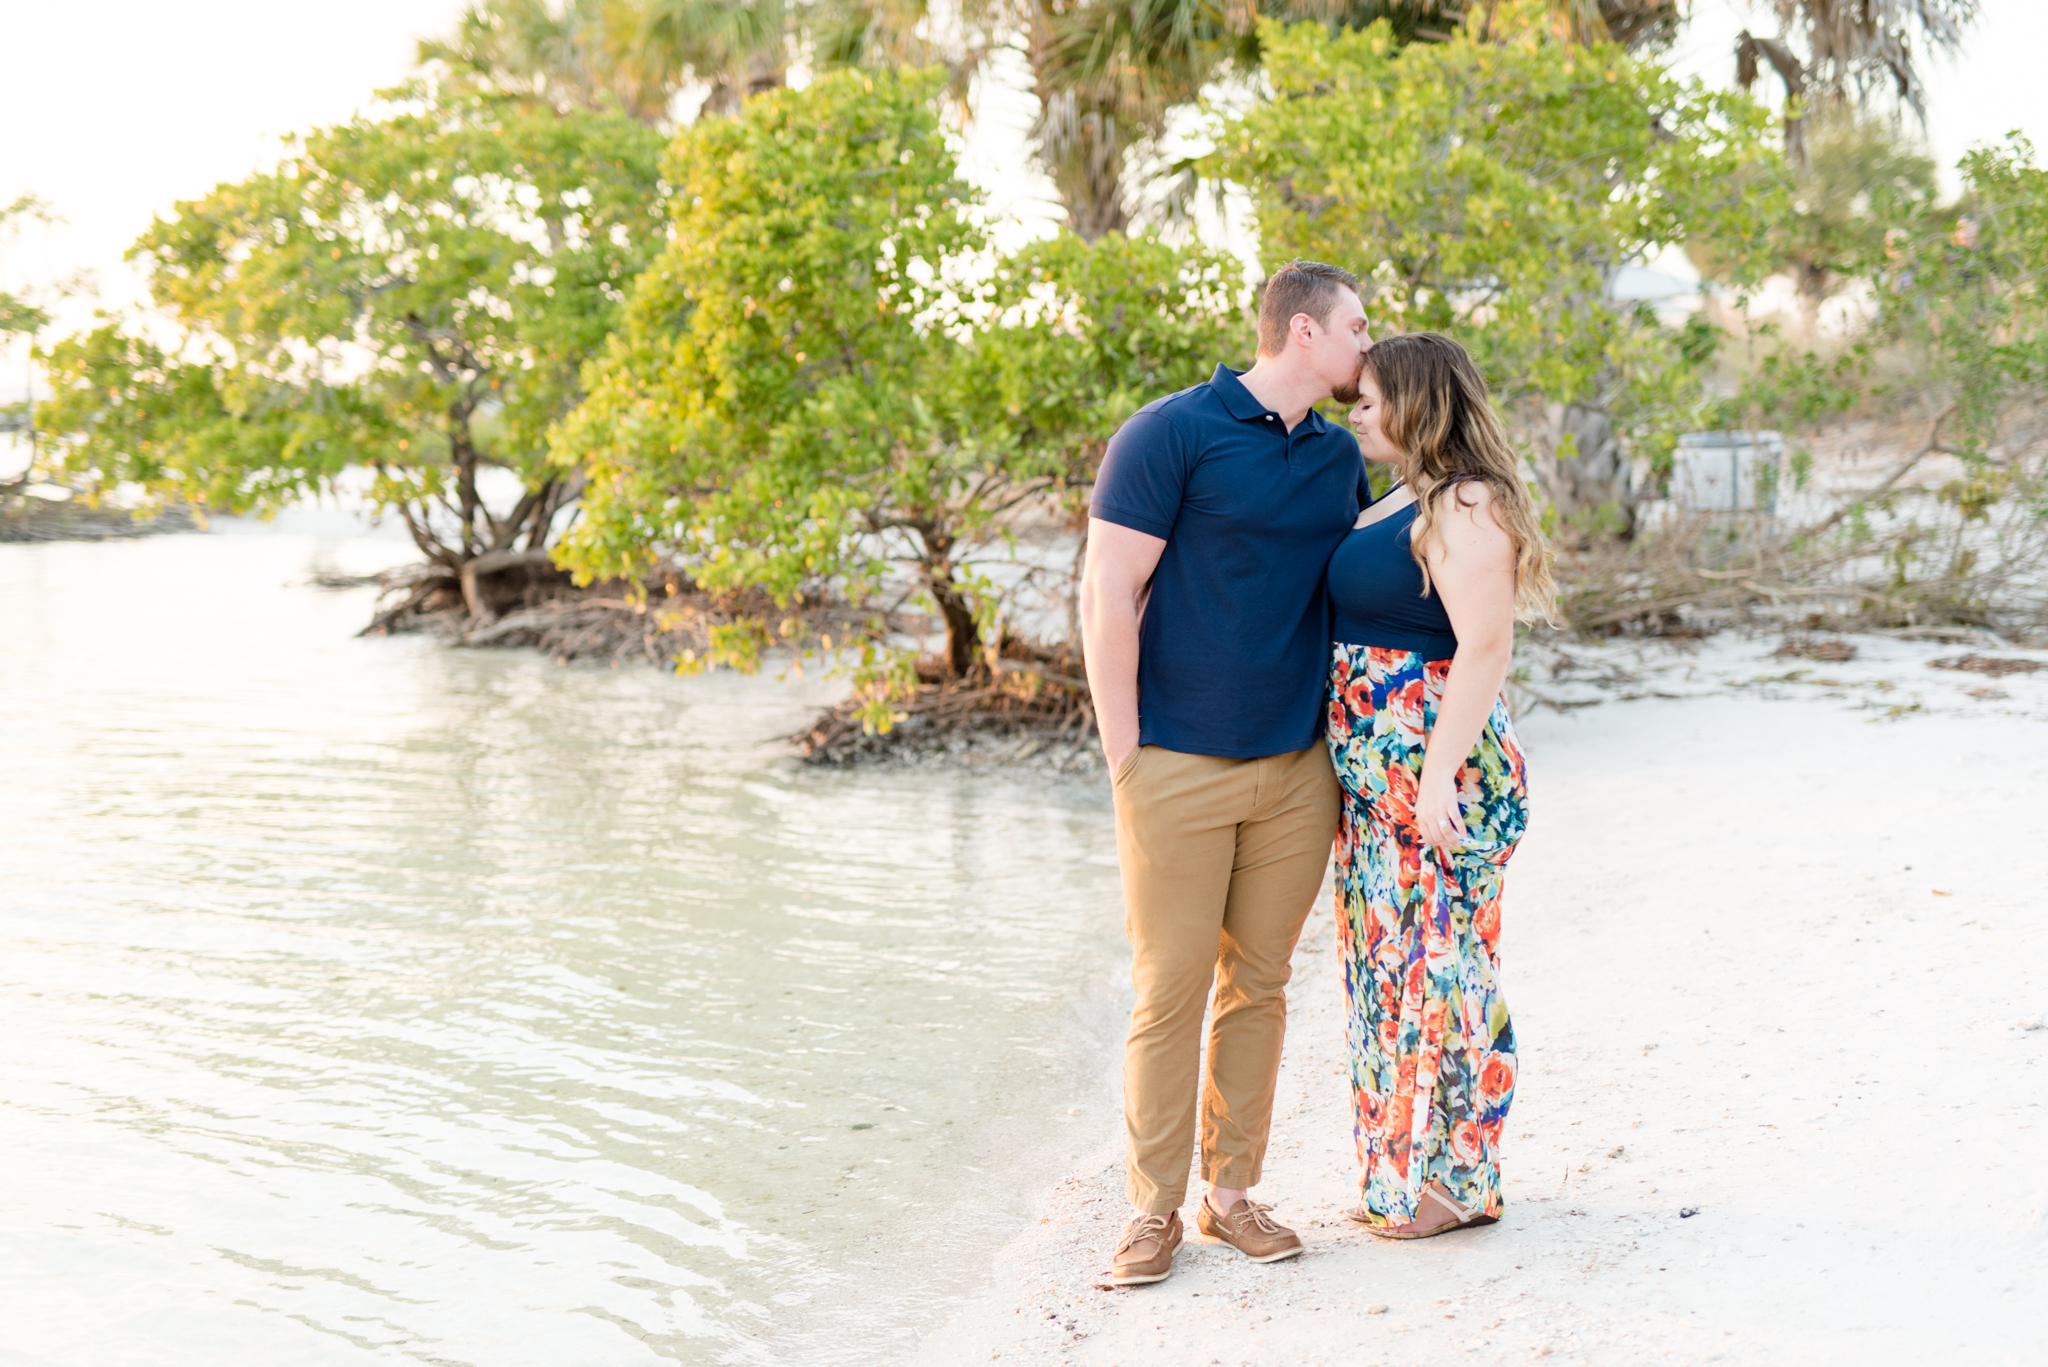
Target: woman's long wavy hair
x=1434, y=407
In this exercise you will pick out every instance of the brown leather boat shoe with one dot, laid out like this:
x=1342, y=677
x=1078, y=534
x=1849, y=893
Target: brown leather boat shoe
x=1145, y=1253
x=1248, y=1229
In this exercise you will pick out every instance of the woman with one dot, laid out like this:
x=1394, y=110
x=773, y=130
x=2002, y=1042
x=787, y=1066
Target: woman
x=1426, y=589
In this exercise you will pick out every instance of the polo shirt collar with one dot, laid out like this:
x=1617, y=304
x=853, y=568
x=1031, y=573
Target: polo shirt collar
x=1243, y=406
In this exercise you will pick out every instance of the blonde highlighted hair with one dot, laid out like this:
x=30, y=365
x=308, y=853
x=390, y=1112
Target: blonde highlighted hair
x=1434, y=407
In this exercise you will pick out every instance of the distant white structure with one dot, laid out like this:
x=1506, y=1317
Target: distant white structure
x=1671, y=287
x=1727, y=472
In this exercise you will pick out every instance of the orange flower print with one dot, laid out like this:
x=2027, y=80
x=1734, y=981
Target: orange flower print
x=1496, y=1080
x=1357, y=698
x=1400, y=1114
x=1403, y=711
x=1396, y=807
x=1408, y=871
x=1465, y=1145
x=1486, y=922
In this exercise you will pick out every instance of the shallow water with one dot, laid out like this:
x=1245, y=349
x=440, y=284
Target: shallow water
x=372, y=1001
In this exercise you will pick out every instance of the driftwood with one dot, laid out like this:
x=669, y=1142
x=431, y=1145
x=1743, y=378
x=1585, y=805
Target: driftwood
x=1995, y=665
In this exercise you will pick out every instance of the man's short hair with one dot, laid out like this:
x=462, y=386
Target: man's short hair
x=1298, y=287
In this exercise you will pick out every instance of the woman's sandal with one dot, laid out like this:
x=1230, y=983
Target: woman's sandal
x=1466, y=1220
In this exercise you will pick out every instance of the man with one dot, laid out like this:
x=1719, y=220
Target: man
x=1204, y=620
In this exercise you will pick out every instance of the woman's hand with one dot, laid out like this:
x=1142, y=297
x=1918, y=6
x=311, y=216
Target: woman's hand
x=1436, y=808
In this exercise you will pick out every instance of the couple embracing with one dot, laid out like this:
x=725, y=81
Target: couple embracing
x=1280, y=661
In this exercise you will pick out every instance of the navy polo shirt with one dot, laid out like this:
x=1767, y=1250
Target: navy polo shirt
x=1236, y=637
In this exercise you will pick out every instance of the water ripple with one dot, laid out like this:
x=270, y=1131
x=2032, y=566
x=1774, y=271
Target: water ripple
x=366, y=1001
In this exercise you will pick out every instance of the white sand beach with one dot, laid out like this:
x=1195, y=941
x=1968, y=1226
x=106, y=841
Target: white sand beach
x=1777, y=953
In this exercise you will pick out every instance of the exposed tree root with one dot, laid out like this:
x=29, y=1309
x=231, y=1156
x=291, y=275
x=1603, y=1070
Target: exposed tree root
x=613, y=622
x=1025, y=691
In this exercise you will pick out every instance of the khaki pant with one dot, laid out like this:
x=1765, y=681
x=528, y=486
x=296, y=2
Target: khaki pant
x=1221, y=859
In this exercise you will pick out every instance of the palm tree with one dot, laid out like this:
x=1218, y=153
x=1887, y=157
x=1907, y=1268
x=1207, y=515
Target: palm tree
x=1109, y=74
x=636, y=55
x=567, y=57
x=1635, y=24
x=736, y=47
x=1859, y=53
x=891, y=33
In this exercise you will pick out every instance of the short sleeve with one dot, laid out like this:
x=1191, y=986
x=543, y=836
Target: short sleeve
x=1144, y=475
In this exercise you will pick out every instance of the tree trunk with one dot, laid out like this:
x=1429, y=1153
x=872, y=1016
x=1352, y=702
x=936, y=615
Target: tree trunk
x=1081, y=142
x=1083, y=149
x=1584, y=470
x=462, y=451
x=963, y=633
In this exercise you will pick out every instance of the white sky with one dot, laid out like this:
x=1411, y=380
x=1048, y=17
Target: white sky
x=1975, y=100
x=119, y=109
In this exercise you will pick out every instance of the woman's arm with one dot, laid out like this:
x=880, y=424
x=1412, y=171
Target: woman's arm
x=1472, y=569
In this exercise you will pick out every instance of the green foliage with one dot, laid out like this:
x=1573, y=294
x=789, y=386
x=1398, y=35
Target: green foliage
x=19, y=313
x=1491, y=189
x=1081, y=335
x=817, y=382
x=1860, y=182
x=579, y=54
x=1957, y=355
x=414, y=293
x=1789, y=387
x=1970, y=296
x=773, y=378
x=1961, y=310
x=128, y=411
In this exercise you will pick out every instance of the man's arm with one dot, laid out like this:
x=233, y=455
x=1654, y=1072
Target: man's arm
x=1113, y=585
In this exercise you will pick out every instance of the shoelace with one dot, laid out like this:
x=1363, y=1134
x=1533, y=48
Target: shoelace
x=1255, y=1216
x=1144, y=1227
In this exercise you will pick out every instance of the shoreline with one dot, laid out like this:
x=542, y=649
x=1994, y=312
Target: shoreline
x=571, y=984
x=37, y=521
x=1750, y=980
x=1555, y=673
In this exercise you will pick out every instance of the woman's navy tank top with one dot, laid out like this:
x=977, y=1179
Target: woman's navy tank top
x=1376, y=591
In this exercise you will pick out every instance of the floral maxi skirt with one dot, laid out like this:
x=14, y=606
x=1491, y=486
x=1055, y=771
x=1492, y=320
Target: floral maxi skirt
x=1432, y=1052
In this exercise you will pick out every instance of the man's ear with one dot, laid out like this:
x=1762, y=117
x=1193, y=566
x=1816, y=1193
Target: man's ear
x=1301, y=328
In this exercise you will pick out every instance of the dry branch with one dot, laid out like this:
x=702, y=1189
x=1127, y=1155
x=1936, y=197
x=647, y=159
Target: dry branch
x=1892, y=477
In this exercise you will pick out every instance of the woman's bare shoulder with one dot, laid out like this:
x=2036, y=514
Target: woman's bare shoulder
x=1473, y=494
x=1468, y=515
x=1473, y=500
